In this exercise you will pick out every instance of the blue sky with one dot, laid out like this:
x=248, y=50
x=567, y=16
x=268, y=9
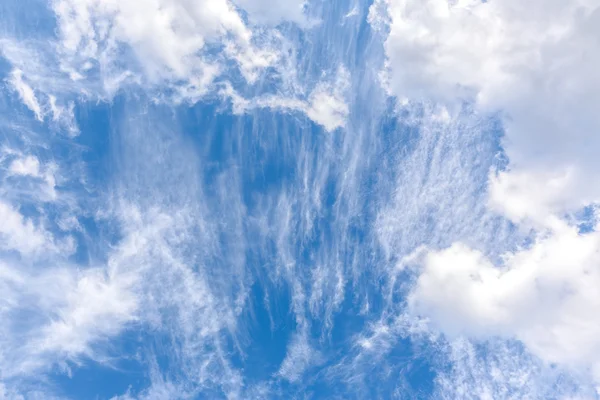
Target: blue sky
x=299, y=199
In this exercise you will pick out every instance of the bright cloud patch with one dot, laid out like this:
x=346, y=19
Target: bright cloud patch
x=533, y=63
x=544, y=296
x=168, y=38
x=26, y=93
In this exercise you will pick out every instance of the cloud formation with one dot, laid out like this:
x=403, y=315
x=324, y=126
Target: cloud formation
x=532, y=63
x=543, y=295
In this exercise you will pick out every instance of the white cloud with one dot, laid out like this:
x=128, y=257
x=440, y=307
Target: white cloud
x=187, y=250
x=533, y=61
x=96, y=306
x=352, y=13
x=26, y=93
x=69, y=312
x=326, y=104
x=438, y=197
x=182, y=46
x=300, y=356
x=103, y=46
x=168, y=38
x=63, y=115
x=328, y=108
x=9, y=392
x=41, y=104
x=546, y=296
x=21, y=234
x=43, y=177
x=29, y=165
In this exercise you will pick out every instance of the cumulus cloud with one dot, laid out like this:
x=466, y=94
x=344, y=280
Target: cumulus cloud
x=171, y=40
x=327, y=107
x=103, y=46
x=26, y=93
x=533, y=63
x=545, y=295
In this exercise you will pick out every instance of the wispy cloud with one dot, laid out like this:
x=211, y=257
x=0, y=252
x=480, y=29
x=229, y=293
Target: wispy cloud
x=525, y=62
x=26, y=93
x=326, y=104
x=160, y=187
